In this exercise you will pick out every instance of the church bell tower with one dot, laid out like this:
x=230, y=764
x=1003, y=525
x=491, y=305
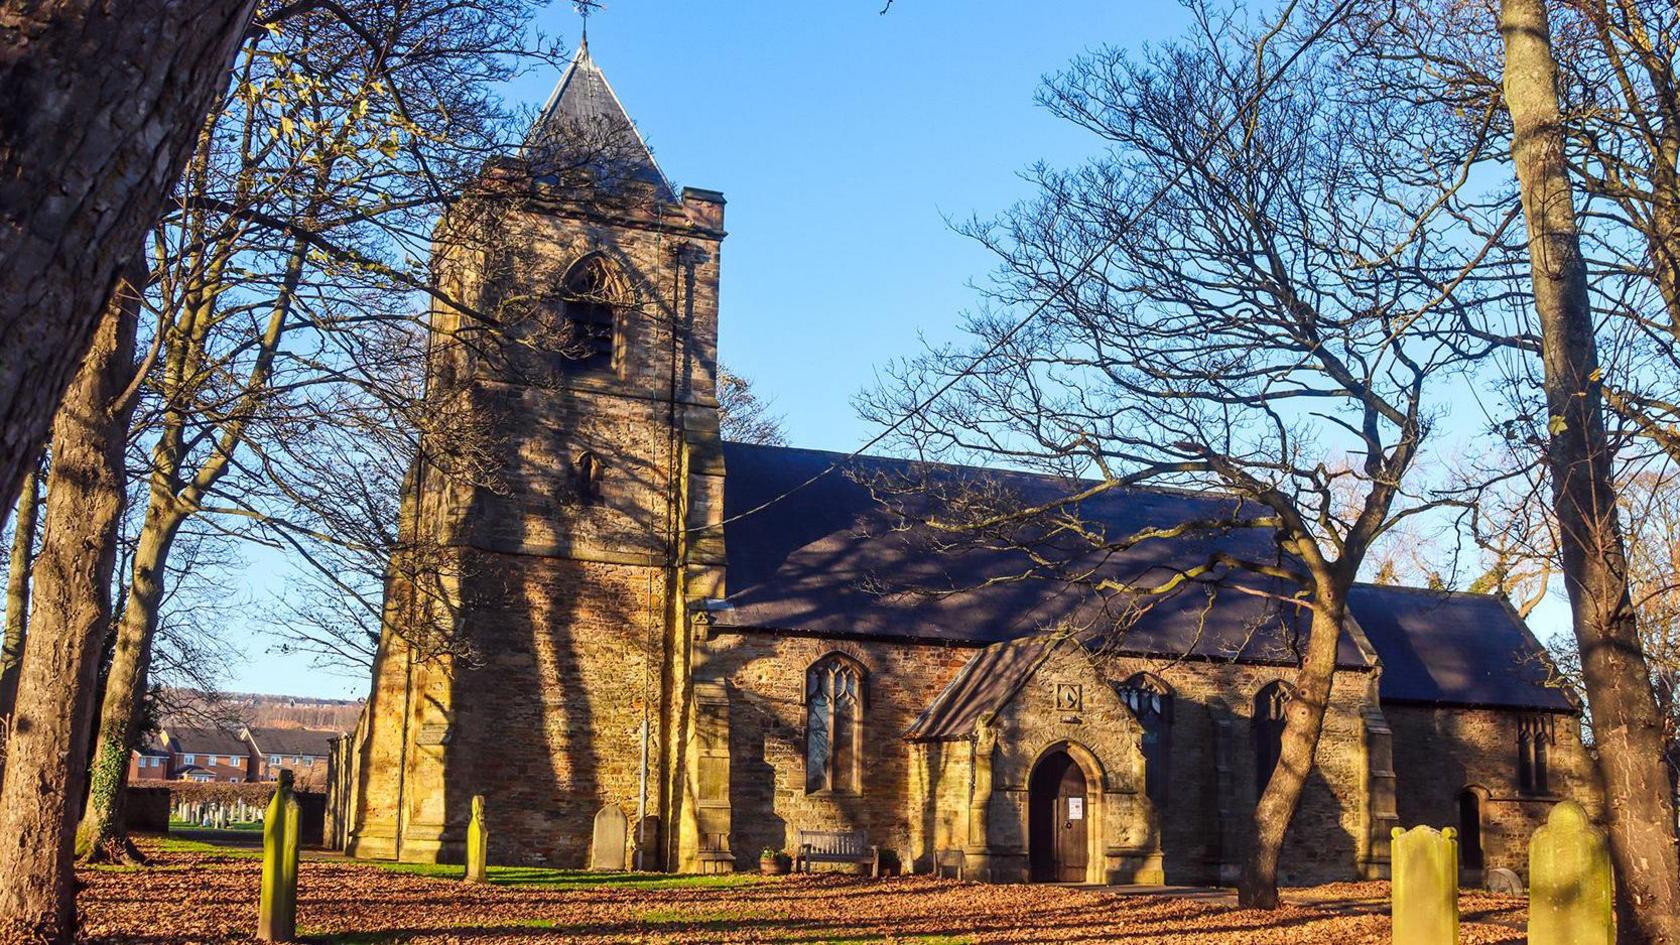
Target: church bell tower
x=562, y=512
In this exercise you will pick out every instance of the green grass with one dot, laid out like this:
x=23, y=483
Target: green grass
x=179, y=845
x=544, y=878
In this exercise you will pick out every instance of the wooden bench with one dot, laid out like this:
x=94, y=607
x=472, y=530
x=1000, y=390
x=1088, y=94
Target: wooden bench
x=835, y=846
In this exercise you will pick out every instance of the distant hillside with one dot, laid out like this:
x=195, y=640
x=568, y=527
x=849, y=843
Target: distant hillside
x=189, y=707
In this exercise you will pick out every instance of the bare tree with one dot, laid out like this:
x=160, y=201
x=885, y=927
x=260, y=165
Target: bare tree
x=1651, y=506
x=1244, y=297
x=300, y=226
x=1619, y=95
x=745, y=416
x=1627, y=728
x=48, y=740
x=102, y=103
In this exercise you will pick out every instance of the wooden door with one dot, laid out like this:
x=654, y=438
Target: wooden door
x=1071, y=830
x=1059, y=816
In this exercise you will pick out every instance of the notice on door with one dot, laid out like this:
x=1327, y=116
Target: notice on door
x=1076, y=808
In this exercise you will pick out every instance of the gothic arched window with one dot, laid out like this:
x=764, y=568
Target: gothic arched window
x=589, y=328
x=1269, y=705
x=833, y=725
x=1150, y=700
x=1534, y=740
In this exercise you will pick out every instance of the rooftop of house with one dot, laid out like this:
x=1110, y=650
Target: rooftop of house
x=292, y=741
x=203, y=741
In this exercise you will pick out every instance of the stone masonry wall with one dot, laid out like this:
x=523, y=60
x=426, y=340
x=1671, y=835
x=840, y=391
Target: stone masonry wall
x=1204, y=834
x=765, y=675
x=1200, y=831
x=1440, y=751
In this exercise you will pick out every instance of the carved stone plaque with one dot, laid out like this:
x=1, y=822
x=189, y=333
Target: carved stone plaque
x=1070, y=697
x=432, y=733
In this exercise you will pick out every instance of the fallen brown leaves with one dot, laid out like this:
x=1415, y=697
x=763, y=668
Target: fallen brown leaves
x=198, y=898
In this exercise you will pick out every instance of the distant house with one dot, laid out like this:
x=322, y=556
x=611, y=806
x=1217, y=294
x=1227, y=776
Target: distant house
x=208, y=754
x=303, y=751
x=149, y=762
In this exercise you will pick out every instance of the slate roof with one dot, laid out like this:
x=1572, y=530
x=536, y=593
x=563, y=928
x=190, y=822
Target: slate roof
x=982, y=686
x=827, y=560
x=204, y=741
x=292, y=741
x=584, y=111
x=1452, y=648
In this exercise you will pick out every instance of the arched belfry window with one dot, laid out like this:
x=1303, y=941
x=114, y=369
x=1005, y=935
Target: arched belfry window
x=833, y=725
x=1269, y=705
x=589, y=328
x=1150, y=700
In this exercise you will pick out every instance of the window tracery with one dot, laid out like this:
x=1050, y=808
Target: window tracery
x=833, y=725
x=1151, y=702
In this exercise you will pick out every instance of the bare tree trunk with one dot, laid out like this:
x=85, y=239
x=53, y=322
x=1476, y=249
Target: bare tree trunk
x=17, y=587
x=1626, y=726
x=100, y=103
x=101, y=837
x=61, y=656
x=1303, y=722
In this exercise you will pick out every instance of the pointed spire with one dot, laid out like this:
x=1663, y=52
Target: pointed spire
x=583, y=112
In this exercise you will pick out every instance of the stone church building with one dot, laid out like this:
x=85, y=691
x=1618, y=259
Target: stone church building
x=648, y=646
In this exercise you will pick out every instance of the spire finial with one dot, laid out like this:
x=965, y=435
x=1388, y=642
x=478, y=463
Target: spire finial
x=584, y=8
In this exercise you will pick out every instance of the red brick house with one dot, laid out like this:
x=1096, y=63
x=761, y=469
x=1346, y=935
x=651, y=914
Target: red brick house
x=302, y=750
x=208, y=754
x=149, y=762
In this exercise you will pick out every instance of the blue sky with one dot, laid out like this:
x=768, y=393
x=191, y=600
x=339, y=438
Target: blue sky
x=843, y=140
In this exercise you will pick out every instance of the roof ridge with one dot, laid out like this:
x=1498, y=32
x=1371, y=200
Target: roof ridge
x=1442, y=591
x=1041, y=477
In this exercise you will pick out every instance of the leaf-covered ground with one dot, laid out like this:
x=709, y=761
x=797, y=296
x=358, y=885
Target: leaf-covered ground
x=195, y=894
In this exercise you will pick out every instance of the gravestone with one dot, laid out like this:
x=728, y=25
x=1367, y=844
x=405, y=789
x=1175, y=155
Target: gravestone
x=1571, y=887
x=606, y=847
x=1425, y=871
x=478, y=844
x=1504, y=882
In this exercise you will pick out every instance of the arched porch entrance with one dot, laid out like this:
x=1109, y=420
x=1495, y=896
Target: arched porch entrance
x=1059, y=819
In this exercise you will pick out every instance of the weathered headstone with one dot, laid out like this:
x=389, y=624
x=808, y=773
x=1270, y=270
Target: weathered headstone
x=478, y=844
x=277, y=915
x=606, y=848
x=1425, y=871
x=1503, y=882
x=1571, y=886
